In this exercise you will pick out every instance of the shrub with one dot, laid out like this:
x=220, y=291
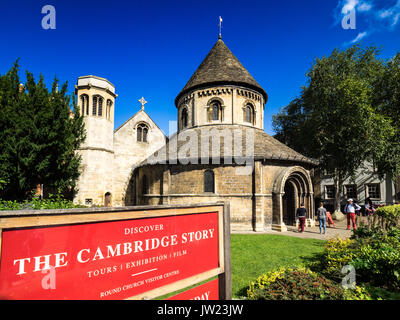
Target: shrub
x=294, y=284
x=375, y=255
x=387, y=217
x=378, y=260
x=359, y=293
x=53, y=202
x=337, y=253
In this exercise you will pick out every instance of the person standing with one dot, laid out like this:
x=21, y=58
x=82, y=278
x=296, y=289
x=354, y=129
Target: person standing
x=329, y=219
x=321, y=215
x=350, y=211
x=301, y=215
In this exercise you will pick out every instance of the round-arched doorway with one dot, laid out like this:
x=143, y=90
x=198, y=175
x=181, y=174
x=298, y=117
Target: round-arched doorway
x=289, y=203
x=107, y=199
x=292, y=187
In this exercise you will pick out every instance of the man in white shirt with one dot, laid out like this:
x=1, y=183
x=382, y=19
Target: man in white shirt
x=350, y=211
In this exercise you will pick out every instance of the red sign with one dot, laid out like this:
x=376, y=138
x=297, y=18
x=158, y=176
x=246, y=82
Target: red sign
x=106, y=260
x=207, y=291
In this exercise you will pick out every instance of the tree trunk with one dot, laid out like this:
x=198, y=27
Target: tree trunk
x=338, y=186
x=338, y=215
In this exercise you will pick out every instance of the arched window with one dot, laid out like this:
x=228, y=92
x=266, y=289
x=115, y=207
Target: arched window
x=249, y=113
x=215, y=111
x=97, y=109
x=85, y=104
x=100, y=109
x=94, y=107
x=184, y=118
x=209, y=181
x=141, y=131
x=108, y=109
x=145, y=186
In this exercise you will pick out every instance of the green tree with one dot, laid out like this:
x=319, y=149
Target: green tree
x=38, y=136
x=334, y=120
x=387, y=98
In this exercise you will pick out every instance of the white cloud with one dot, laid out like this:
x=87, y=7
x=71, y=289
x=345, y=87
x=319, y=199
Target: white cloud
x=376, y=14
x=359, y=37
x=349, y=5
x=385, y=13
x=390, y=15
x=396, y=19
x=359, y=5
x=364, y=7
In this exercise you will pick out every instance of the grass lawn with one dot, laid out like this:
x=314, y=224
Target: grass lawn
x=254, y=254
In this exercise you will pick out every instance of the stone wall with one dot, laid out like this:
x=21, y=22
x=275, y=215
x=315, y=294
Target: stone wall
x=184, y=184
x=96, y=177
x=128, y=152
x=233, y=99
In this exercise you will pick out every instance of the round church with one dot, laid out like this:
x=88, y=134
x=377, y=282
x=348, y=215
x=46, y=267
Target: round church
x=221, y=153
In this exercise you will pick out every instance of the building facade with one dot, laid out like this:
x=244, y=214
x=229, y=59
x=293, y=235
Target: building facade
x=219, y=153
x=108, y=156
x=365, y=184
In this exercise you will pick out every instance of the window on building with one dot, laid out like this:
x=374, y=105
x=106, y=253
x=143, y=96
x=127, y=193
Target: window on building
x=94, y=107
x=330, y=192
x=249, y=114
x=209, y=181
x=142, y=132
x=85, y=104
x=350, y=191
x=215, y=111
x=373, y=191
x=100, y=109
x=184, y=118
x=97, y=109
x=88, y=202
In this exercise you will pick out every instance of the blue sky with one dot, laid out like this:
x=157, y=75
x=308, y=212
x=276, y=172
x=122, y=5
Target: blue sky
x=151, y=48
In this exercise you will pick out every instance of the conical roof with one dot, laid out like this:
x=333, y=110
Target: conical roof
x=237, y=142
x=221, y=67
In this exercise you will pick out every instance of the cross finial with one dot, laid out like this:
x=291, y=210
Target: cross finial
x=142, y=102
x=220, y=27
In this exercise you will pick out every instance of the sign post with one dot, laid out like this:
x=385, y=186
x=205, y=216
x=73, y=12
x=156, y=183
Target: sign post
x=116, y=253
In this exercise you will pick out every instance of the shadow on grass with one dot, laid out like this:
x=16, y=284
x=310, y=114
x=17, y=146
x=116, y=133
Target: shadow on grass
x=242, y=292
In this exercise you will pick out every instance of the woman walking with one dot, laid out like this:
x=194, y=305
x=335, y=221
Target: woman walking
x=321, y=215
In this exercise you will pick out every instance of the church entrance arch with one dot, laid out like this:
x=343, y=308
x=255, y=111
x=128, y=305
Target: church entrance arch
x=289, y=203
x=107, y=199
x=292, y=187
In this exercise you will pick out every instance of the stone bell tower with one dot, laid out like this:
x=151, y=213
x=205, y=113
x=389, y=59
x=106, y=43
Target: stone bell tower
x=96, y=100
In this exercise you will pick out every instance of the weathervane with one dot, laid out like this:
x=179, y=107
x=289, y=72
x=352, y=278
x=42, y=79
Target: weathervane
x=142, y=102
x=220, y=27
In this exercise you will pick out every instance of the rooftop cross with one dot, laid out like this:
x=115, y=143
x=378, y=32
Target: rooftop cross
x=142, y=102
x=220, y=27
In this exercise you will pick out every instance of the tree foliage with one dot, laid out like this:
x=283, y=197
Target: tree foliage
x=339, y=117
x=38, y=136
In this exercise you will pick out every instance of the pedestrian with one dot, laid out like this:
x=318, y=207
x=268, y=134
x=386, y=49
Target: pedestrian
x=368, y=207
x=350, y=211
x=301, y=214
x=321, y=215
x=358, y=212
x=329, y=219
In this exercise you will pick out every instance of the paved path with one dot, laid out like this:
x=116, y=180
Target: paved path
x=340, y=231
